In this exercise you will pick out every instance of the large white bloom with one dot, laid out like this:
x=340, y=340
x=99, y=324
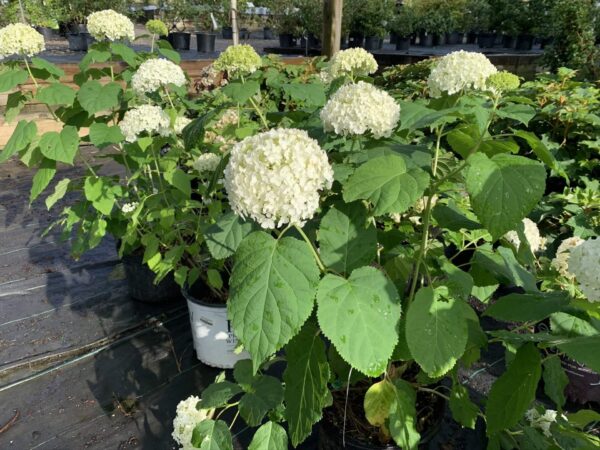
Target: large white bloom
x=563, y=252
x=532, y=233
x=358, y=108
x=458, y=71
x=353, y=62
x=20, y=39
x=110, y=25
x=584, y=263
x=146, y=118
x=186, y=420
x=207, y=162
x=156, y=73
x=275, y=177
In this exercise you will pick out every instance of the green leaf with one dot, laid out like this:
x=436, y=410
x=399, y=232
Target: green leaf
x=360, y=316
x=61, y=146
x=403, y=416
x=11, y=78
x=272, y=291
x=312, y=94
x=22, y=136
x=504, y=266
x=571, y=326
x=180, y=180
x=584, y=350
x=42, y=178
x=218, y=394
x=212, y=435
x=378, y=401
x=583, y=418
x=512, y=394
x=412, y=113
x=266, y=394
x=542, y=152
x=59, y=192
x=225, y=235
x=98, y=191
x=95, y=97
x=528, y=307
x=436, y=331
x=244, y=374
x=555, y=381
x=347, y=240
x=463, y=409
x=102, y=135
x=270, y=436
x=504, y=189
x=241, y=92
x=387, y=184
x=520, y=113
x=170, y=54
x=458, y=282
x=15, y=102
x=126, y=53
x=451, y=217
x=95, y=55
x=56, y=94
x=306, y=377
x=47, y=66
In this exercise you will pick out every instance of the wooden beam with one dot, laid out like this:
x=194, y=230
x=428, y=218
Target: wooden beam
x=332, y=26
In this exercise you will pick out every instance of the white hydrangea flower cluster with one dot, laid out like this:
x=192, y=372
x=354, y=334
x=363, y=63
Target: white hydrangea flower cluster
x=353, y=62
x=212, y=136
x=186, y=420
x=156, y=73
x=145, y=118
x=584, y=263
x=110, y=25
x=20, y=39
x=207, y=162
x=458, y=71
x=129, y=207
x=238, y=60
x=541, y=421
x=358, y=108
x=532, y=233
x=561, y=260
x=275, y=177
x=180, y=123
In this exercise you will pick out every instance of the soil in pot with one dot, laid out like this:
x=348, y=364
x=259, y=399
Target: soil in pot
x=584, y=383
x=140, y=282
x=359, y=433
x=403, y=43
x=205, y=42
x=180, y=40
x=287, y=40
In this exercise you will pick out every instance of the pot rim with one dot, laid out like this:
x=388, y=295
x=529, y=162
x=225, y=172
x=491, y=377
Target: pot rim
x=190, y=298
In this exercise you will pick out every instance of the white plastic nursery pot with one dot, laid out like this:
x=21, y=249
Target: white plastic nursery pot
x=214, y=340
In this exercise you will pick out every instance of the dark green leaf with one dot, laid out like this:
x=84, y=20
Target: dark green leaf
x=170, y=54
x=463, y=409
x=270, y=436
x=218, y=394
x=555, y=381
x=266, y=394
x=212, y=435
x=225, y=235
x=527, y=307
x=451, y=217
x=241, y=92
x=584, y=350
x=61, y=146
x=180, y=180
x=47, y=66
x=312, y=94
x=520, y=113
x=403, y=416
x=95, y=97
x=102, y=135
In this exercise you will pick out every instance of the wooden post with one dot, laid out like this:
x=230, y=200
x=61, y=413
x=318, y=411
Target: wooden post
x=332, y=26
x=236, y=34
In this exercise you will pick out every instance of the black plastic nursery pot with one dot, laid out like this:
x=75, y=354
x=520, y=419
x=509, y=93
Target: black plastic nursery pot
x=524, y=42
x=454, y=38
x=180, y=40
x=373, y=43
x=426, y=40
x=471, y=38
x=287, y=40
x=48, y=33
x=268, y=33
x=486, y=40
x=440, y=39
x=78, y=42
x=205, y=42
x=509, y=42
x=227, y=33
x=140, y=282
x=312, y=41
x=356, y=40
x=584, y=383
x=403, y=43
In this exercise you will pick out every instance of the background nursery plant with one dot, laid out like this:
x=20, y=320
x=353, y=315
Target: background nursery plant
x=384, y=237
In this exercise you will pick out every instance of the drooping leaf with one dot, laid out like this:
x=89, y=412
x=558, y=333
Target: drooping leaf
x=347, y=241
x=555, y=381
x=102, y=135
x=95, y=97
x=403, y=416
x=514, y=111
x=61, y=146
x=436, y=331
x=46, y=66
x=311, y=94
x=217, y=395
x=180, y=180
x=225, y=235
x=542, y=152
x=42, y=178
x=306, y=377
x=266, y=394
x=98, y=191
x=11, y=78
x=360, y=315
x=22, y=136
x=241, y=92
x=512, y=394
x=452, y=218
x=270, y=436
x=56, y=94
x=504, y=189
x=503, y=265
x=59, y=192
x=272, y=291
x=378, y=401
x=527, y=307
x=463, y=409
x=126, y=53
x=212, y=435
x=386, y=183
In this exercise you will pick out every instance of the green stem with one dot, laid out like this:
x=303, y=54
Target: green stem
x=312, y=248
x=262, y=117
x=152, y=43
x=170, y=99
x=422, y=249
x=37, y=86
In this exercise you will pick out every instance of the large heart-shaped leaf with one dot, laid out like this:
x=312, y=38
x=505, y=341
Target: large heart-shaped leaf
x=504, y=189
x=212, y=435
x=42, y=178
x=270, y=436
x=56, y=94
x=386, y=183
x=347, y=240
x=61, y=146
x=11, y=78
x=95, y=97
x=266, y=393
x=360, y=316
x=272, y=291
x=436, y=330
x=225, y=235
x=102, y=135
x=22, y=136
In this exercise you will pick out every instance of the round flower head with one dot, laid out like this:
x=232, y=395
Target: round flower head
x=354, y=62
x=275, y=177
x=156, y=26
x=458, y=71
x=584, y=263
x=503, y=82
x=180, y=124
x=532, y=233
x=144, y=119
x=358, y=108
x=238, y=60
x=110, y=25
x=186, y=419
x=561, y=261
x=156, y=73
x=207, y=162
x=20, y=39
